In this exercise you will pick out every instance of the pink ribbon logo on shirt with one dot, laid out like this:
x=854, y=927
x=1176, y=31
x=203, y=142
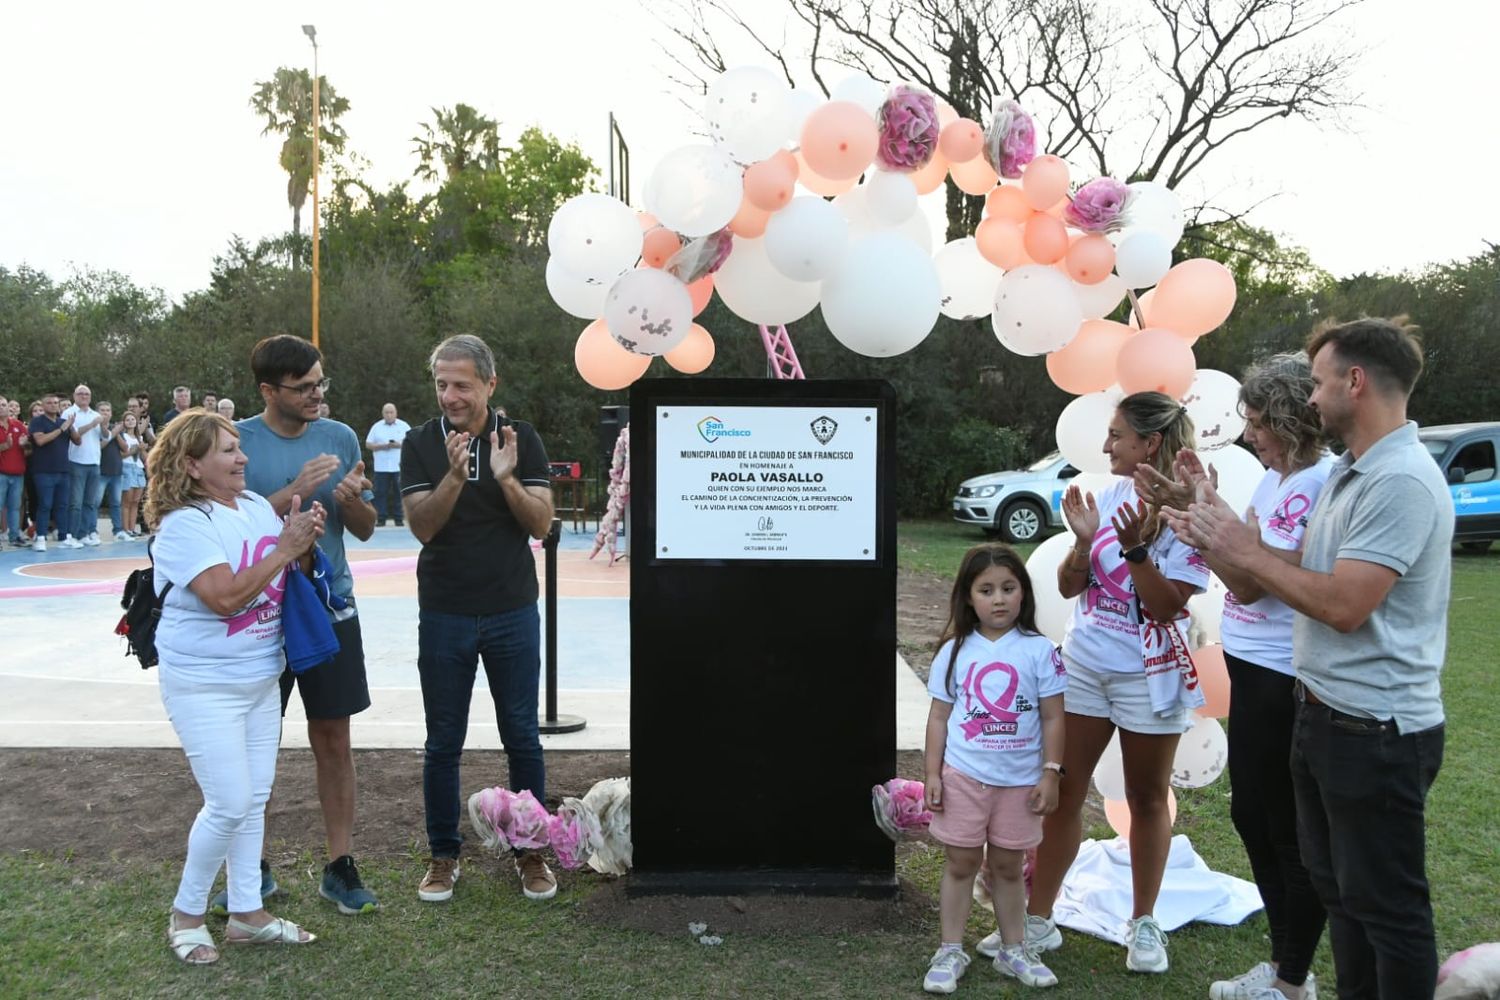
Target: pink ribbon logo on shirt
x=1113, y=583
x=275, y=590
x=1288, y=516
x=974, y=691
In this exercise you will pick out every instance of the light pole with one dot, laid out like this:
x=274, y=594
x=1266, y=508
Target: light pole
x=312, y=36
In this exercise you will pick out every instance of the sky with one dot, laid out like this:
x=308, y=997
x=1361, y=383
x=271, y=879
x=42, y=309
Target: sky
x=128, y=143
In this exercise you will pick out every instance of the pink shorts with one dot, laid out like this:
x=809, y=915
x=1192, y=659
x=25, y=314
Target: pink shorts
x=975, y=814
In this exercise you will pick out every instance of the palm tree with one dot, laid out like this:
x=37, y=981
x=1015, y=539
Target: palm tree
x=286, y=103
x=461, y=139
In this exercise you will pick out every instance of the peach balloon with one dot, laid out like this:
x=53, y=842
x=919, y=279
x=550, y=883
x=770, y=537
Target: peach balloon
x=647, y=220
x=695, y=353
x=788, y=160
x=769, y=184
x=659, y=245
x=700, y=292
x=1087, y=363
x=1008, y=203
x=839, y=140
x=961, y=140
x=1046, y=239
x=1117, y=813
x=1090, y=259
x=1001, y=243
x=1194, y=297
x=1156, y=360
x=974, y=177
x=603, y=363
x=1045, y=182
x=749, y=221
x=1213, y=677
x=945, y=114
x=1145, y=299
x=930, y=176
x=817, y=183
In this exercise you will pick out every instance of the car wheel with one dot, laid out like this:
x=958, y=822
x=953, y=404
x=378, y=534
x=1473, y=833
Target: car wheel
x=1479, y=546
x=1022, y=522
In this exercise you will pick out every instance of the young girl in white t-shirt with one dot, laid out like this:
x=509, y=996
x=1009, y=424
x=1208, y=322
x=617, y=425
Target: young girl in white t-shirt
x=994, y=742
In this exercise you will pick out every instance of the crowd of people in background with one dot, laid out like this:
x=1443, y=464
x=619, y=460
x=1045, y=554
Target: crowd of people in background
x=65, y=457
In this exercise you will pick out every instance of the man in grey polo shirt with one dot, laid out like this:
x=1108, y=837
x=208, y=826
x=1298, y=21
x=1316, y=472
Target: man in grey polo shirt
x=1371, y=597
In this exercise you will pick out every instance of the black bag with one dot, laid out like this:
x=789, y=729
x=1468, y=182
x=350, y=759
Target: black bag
x=142, y=613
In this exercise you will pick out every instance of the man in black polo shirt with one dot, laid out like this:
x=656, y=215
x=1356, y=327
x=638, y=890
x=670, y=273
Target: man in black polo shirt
x=475, y=488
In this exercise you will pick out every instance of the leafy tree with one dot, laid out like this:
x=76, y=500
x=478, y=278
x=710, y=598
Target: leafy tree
x=460, y=139
x=285, y=101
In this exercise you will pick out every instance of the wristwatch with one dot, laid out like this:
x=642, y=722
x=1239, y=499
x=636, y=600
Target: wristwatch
x=1053, y=765
x=1135, y=555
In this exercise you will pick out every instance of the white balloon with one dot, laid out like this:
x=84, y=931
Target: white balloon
x=1154, y=206
x=695, y=190
x=594, y=236
x=1109, y=773
x=1035, y=310
x=756, y=292
x=1142, y=258
x=1213, y=402
x=884, y=298
x=747, y=113
x=648, y=311
x=806, y=240
x=857, y=88
x=1202, y=754
x=800, y=103
x=1206, y=614
x=852, y=206
x=1082, y=427
x=891, y=197
x=969, y=281
x=1239, y=473
x=1094, y=482
x=581, y=297
x=1052, y=609
x=855, y=206
x=1100, y=299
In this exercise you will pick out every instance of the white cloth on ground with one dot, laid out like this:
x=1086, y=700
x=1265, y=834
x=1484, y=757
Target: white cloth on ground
x=1096, y=894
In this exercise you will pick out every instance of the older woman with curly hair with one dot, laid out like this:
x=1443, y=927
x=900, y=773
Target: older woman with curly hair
x=221, y=559
x=1287, y=436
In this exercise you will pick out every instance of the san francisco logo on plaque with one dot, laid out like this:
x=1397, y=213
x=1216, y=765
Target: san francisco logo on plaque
x=824, y=428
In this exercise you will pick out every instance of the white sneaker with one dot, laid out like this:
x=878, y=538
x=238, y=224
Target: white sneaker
x=1041, y=935
x=1240, y=987
x=39, y=544
x=945, y=970
x=1146, y=946
x=92, y=538
x=124, y=536
x=69, y=542
x=1021, y=962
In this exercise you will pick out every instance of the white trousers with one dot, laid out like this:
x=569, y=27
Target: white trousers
x=230, y=733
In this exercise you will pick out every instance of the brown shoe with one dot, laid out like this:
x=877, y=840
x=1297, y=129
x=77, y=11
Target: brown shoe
x=537, y=880
x=437, y=886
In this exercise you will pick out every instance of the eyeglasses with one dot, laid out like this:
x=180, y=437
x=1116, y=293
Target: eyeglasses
x=306, y=389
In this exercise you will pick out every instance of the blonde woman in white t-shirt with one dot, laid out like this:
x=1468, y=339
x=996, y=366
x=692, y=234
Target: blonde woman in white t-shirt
x=225, y=554
x=1287, y=436
x=1132, y=576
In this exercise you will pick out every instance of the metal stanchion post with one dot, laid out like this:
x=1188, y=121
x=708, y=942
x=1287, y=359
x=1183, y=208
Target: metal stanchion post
x=551, y=722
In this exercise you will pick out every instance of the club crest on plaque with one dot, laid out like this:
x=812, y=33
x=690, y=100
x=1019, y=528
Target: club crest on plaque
x=824, y=428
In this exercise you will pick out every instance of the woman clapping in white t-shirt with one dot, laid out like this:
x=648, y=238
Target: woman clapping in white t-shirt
x=225, y=554
x=1132, y=576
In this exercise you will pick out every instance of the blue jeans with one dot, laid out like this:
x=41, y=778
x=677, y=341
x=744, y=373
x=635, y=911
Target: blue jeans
x=12, y=488
x=112, y=488
x=1361, y=791
x=51, y=501
x=83, y=507
x=448, y=650
x=388, y=483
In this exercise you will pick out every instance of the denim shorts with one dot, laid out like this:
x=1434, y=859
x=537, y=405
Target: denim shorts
x=1122, y=697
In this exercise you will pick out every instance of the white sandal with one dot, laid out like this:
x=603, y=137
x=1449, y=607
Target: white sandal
x=278, y=931
x=185, y=940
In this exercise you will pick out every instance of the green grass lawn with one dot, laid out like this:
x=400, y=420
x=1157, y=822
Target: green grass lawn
x=72, y=928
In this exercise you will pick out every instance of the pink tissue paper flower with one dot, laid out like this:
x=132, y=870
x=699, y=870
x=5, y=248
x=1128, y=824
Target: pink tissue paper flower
x=1096, y=207
x=1010, y=141
x=908, y=129
x=701, y=256
x=515, y=818
x=573, y=833
x=900, y=808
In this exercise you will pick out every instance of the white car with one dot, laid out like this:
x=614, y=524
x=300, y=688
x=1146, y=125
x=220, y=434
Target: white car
x=1019, y=506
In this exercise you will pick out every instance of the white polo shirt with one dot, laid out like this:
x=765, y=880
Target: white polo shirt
x=388, y=459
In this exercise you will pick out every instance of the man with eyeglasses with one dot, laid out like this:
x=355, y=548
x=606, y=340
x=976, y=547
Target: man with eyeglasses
x=294, y=453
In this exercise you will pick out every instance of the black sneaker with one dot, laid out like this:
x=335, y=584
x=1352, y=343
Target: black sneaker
x=380, y=522
x=219, y=905
x=342, y=885
x=400, y=523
